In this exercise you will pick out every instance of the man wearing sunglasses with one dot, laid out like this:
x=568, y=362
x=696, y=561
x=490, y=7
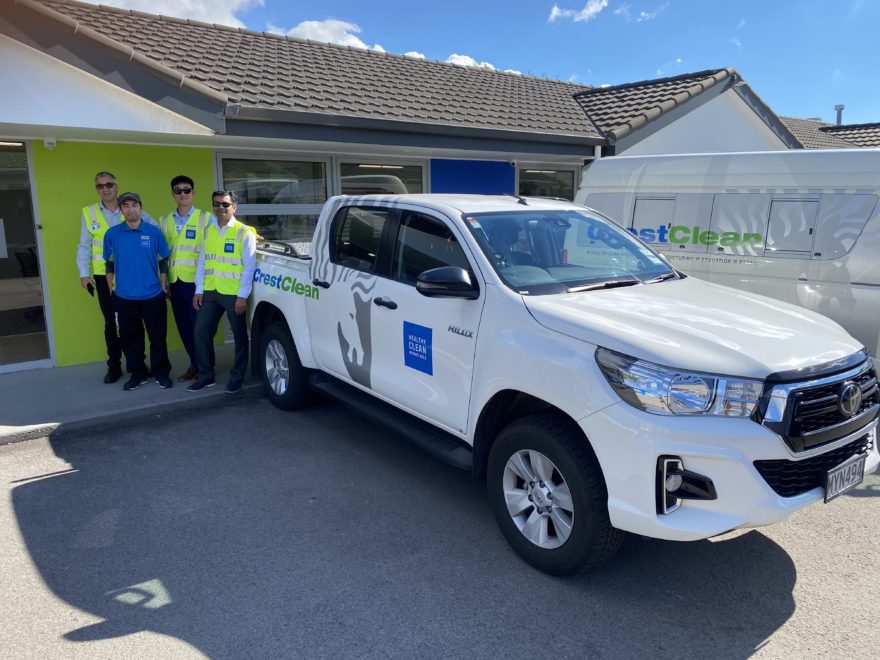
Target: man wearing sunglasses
x=224, y=278
x=184, y=230
x=95, y=220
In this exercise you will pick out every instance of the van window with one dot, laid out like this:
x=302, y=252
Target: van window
x=739, y=221
x=791, y=227
x=356, y=236
x=650, y=215
x=841, y=220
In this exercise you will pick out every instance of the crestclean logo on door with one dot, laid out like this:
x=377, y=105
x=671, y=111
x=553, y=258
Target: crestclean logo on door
x=286, y=283
x=696, y=235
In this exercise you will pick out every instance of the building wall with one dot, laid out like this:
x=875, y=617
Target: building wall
x=64, y=183
x=483, y=177
x=725, y=124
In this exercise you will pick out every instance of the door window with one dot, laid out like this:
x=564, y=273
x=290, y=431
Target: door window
x=424, y=243
x=357, y=233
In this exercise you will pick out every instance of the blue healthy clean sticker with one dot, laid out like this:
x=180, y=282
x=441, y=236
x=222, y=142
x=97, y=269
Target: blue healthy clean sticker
x=229, y=247
x=190, y=233
x=417, y=347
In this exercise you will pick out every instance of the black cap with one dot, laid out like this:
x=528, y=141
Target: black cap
x=129, y=195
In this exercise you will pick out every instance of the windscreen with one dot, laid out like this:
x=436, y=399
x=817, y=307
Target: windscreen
x=545, y=252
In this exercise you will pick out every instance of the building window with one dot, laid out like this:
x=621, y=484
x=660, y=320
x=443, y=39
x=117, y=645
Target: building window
x=280, y=198
x=547, y=183
x=381, y=179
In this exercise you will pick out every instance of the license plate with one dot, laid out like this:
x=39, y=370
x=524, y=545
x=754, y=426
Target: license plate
x=845, y=476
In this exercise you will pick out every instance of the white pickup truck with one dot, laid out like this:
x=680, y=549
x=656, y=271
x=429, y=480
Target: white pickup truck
x=594, y=387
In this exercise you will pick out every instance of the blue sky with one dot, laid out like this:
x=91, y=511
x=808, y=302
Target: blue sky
x=801, y=56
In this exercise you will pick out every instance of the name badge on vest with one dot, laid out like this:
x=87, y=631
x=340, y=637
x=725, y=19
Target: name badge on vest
x=95, y=225
x=190, y=233
x=229, y=247
x=145, y=241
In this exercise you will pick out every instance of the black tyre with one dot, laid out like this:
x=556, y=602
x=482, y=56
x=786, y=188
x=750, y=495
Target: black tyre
x=284, y=378
x=549, y=497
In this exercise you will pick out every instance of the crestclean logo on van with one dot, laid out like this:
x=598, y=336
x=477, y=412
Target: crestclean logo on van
x=696, y=235
x=286, y=283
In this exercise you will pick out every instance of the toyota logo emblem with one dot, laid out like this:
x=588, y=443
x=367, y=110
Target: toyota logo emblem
x=850, y=399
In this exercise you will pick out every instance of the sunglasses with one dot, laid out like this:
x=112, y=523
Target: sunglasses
x=106, y=186
x=182, y=191
x=225, y=205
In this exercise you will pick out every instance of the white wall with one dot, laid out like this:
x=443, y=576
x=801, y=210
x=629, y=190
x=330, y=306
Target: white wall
x=39, y=90
x=726, y=123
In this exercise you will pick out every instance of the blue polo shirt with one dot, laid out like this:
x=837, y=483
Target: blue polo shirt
x=135, y=254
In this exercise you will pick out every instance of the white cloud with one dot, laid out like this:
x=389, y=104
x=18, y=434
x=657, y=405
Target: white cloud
x=626, y=12
x=664, y=69
x=467, y=60
x=332, y=31
x=221, y=12
x=733, y=41
x=604, y=85
x=416, y=54
x=741, y=24
x=589, y=12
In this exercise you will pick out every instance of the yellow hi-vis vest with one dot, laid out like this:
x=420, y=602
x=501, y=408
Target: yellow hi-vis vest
x=223, y=262
x=185, y=245
x=97, y=225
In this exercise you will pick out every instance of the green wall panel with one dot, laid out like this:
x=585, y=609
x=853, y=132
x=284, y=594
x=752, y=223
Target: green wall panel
x=64, y=184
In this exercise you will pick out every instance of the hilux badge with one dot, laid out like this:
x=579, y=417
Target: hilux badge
x=849, y=399
x=459, y=331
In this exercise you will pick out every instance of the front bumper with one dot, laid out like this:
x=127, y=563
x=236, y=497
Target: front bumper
x=628, y=443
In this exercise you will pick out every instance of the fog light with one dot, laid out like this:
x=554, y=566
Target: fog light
x=673, y=483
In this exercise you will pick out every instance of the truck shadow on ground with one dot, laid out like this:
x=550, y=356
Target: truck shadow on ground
x=319, y=535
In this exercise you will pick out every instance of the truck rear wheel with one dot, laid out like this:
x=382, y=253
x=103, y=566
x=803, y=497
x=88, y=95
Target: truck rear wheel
x=549, y=497
x=285, y=380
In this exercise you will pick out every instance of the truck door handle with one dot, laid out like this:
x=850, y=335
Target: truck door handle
x=321, y=283
x=390, y=304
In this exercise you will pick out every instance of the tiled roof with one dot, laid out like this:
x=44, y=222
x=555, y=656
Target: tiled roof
x=861, y=135
x=812, y=134
x=268, y=71
x=619, y=110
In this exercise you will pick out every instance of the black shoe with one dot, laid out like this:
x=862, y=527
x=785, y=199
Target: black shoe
x=134, y=382
x=199, y=385
x=233, y=386
x=164, y=382
x=112, y=375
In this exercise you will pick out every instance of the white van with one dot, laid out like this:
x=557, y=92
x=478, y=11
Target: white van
x=799, y=226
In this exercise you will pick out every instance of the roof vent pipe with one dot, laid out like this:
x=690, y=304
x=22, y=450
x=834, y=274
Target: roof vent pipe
x=839, y=109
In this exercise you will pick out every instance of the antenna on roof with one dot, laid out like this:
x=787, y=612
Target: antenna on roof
x=520, y=200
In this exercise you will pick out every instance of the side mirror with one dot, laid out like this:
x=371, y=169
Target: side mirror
x=447, y=282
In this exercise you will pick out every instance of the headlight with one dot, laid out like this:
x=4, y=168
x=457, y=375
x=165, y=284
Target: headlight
x=664, y=391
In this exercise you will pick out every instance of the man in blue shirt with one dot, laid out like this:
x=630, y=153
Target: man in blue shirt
x=136, y=254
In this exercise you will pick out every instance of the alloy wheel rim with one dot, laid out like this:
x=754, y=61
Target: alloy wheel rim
x=538, y=499
x=277, y=368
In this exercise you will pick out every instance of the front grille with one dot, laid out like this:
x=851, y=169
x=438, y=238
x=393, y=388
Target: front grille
x=811, y=415
x=789, y=478
x=816, y=409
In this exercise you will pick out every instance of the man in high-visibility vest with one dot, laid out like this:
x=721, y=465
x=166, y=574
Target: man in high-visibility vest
x=224, y=278
x=184, y=230
x=96, y=219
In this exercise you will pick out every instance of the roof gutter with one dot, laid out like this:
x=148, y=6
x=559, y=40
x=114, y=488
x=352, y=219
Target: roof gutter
x=275, y=116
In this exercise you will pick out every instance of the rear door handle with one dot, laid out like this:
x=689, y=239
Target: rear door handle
x=321, y=283
x=390, y=304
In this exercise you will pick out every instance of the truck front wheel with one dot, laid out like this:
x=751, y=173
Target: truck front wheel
x=285, y=380
x=549, y=497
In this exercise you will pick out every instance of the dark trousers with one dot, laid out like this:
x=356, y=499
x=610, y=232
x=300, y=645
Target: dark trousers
x=134, y=316
x=185, y=316
x=214, y=305
x=111, y=337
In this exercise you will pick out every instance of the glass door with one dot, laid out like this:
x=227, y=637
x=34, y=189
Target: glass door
x=23, y=335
